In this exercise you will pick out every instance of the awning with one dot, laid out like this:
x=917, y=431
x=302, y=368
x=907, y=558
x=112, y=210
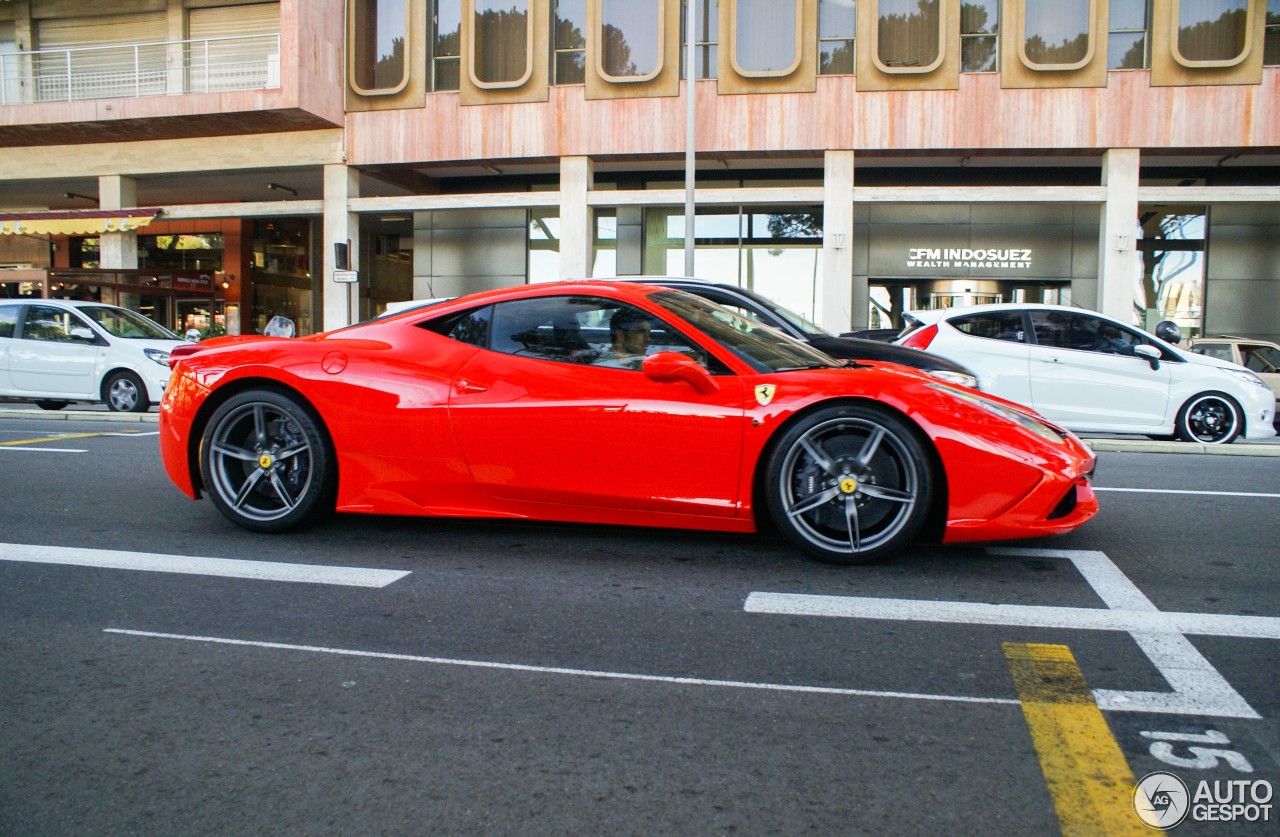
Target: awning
x=75, y=221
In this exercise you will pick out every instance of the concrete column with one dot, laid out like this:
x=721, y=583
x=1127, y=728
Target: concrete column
x=834, y=302
x=118, y=249
x=1119, y=262
x=341, y=300
x=577, y=227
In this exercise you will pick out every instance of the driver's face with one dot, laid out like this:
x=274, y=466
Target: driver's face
x=636, y=340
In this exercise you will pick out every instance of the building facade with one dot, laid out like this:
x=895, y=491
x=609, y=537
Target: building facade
x=320, y=158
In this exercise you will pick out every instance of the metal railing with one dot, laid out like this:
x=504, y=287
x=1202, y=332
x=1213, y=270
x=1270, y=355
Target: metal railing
x=166, y=68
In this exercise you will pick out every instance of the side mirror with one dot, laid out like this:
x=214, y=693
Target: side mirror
x=81, y=333
x=669, y=367
x=1149, y=353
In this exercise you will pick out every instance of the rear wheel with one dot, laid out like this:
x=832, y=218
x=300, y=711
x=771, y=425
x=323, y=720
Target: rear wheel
x=1210, y=418
x=124, y=392
x=849, y=484
x=266, y=462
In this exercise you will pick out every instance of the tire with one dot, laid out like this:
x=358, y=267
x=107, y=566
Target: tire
x=849, y=484
x=266, y=462
x=52, y=405
x=1210, y=418
x=124, y=392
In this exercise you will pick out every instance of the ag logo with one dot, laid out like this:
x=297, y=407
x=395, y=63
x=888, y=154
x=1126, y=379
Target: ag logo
x=764, y=393
x=1161, y=800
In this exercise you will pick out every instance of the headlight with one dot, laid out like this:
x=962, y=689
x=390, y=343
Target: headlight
x=954, y=377
x=1026, y=422
x=1246, y=376
x=158, y=355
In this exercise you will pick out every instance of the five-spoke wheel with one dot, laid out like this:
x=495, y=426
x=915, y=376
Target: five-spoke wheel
x=1211, y=418
x=266, y=462
x=849, y=484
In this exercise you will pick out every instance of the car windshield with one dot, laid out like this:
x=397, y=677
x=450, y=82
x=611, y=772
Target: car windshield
x=120, y=322
x=794, y=318
x=765, y=349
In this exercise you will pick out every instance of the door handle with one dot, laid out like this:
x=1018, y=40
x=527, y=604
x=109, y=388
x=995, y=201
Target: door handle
x=466, y=387
x=1050, y=360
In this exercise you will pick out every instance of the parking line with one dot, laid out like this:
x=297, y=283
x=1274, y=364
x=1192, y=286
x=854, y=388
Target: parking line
x=20, y=444
x=1085, y=770
x=193, y=565
x=1184, y=491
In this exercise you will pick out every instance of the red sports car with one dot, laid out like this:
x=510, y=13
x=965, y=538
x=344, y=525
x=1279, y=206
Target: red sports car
x=605, y=402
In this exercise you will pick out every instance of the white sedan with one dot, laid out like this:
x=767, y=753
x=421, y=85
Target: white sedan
x=1092, y=373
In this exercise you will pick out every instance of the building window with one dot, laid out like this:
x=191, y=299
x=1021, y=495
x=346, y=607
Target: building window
x=1212, y=33
x=706, y=37
x=446, y=44
x=979, y=32
x=1056, y=34
x=569, y=42
x=837, y=28
x=501, y=43
x=630, y=39
x=1127, y=39
x=909, y=35
x=379, y=30
x=766, y=37
x=1271, y=51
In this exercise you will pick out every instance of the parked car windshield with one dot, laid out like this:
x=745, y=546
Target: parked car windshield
x=120, y=322
x=764, y=348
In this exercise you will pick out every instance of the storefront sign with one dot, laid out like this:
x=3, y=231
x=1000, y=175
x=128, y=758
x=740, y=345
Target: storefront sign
x=990, y=258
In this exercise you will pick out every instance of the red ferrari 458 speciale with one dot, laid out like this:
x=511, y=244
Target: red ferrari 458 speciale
x=605, y=402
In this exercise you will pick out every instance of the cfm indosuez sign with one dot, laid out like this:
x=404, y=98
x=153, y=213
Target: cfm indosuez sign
x=1003, y=258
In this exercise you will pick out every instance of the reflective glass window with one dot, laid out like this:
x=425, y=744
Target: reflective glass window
x=979, y=31
x=501, y=41
x=569, y=40
x=908, y=32
x=378, y=41
x=446, y=44
x=1056, y=31
x=1271, y=47
x=1127, y=34
x=837, y=28
x=706, y=38
x=1212, y=30
x=630, y=37
x=765, y=40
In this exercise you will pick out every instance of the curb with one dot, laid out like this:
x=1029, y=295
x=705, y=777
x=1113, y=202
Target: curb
x=79, y=415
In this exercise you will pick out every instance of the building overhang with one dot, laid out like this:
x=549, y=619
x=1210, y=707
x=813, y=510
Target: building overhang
x=76, y=221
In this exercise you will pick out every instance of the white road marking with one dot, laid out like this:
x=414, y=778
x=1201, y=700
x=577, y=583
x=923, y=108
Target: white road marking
x=193, y=565
x=45, y=450
x=1199, y=493
x=572, y=672
x=1198, y=688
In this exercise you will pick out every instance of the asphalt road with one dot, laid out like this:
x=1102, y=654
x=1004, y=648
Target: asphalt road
x=537, y=679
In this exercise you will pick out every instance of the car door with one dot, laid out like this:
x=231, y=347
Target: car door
x=1085, y=374
x=56, y=353
x=541, y=416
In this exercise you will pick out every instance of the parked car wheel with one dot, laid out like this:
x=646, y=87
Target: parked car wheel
x=849, y=484
x=125, y=393
x=1210, y=418
x=267, y=463
x=52, y=405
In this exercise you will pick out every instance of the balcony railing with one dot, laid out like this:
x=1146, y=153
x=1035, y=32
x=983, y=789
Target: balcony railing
x=134, y=70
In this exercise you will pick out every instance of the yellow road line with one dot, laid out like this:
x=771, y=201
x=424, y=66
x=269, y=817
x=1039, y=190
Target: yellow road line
x=17, y=442
x=1086, y=773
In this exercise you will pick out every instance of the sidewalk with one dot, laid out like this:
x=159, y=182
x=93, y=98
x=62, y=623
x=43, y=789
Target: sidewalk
x=1126, y=444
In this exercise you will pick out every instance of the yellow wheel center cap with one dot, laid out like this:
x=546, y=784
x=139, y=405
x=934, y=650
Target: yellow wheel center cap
x=265, y=461
x=848, y=485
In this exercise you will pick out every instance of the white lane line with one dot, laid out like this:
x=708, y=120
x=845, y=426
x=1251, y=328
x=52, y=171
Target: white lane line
x=571, y=672
x=194, y=565
x=45, y=450
x=1199, y=493
x=1198, y=687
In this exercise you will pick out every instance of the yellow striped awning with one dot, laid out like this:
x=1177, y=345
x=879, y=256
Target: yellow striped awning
x=75, y=221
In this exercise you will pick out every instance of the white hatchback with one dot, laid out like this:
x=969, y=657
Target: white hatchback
x=54, y=352
x=1092, y=373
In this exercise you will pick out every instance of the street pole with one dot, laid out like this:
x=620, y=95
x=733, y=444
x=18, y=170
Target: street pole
x=691, y=112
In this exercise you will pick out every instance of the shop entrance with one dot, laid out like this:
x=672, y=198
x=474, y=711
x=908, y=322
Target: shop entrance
x=890, y=298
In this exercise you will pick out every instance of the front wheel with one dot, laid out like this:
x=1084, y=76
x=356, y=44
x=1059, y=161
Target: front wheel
x=1210, y=418
x=849, y=484
x=124, y=392
x=266, y=462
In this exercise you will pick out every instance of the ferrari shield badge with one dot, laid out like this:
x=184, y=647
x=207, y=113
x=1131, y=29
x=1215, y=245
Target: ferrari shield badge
x=764, y=393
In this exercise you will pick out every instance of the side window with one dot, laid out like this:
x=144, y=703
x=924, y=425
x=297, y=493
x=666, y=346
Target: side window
x=994, y=325
x=1222, y=351
x=1256, y=357
x=8, y=320
x=471, y=327
x=44, y=322
x=1083, y=333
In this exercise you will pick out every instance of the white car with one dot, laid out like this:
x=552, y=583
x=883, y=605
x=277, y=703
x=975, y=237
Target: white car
x=1092, y=373
x=54, y=352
